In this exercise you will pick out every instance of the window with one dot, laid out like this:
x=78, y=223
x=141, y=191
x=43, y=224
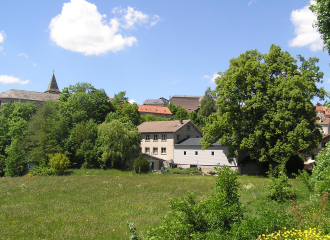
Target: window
x=155, y=151
x=188, y=127
x=147, y=137
x=184, y=153
x=155, y=137
x=212, y=153
x=193, y=166
x=323, y=145
x=163, y=150
x=196, y=152
x=147, y=150
x=178, y=137
x=164, y=137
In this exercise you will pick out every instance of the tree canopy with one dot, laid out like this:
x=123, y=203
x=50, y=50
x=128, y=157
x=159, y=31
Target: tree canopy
x=265, y=106
x=207, y=103
x=321, y=8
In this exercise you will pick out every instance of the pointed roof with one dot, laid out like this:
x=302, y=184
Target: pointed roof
x=52, y=86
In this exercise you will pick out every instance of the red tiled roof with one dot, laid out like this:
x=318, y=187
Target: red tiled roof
x=154, y=109
x=319, y=108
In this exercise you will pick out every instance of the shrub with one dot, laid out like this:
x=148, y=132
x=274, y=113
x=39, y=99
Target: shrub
x=321, y=171
x=311, y=233
x=210, y=218
x=15, y=161
x=41, y=171
x=174, y=170
x=59, y=163
x=305, y=178
x=280, y=189
x=141, y=165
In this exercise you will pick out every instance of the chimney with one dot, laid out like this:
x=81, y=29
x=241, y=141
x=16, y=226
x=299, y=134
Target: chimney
x=181, y=121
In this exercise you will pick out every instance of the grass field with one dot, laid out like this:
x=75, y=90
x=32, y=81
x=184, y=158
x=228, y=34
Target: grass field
x=96, y=204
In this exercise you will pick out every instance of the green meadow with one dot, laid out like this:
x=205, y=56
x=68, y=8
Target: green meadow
x=96, y=204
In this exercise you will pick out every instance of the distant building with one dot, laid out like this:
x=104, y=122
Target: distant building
x=52, y=93
x=157, y=111
x=323, y=118
x=161, y=102
x=190, y=103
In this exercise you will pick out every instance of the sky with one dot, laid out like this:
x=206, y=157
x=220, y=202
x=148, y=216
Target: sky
x=150, y=49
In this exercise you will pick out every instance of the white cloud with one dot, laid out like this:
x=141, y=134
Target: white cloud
x=303, y=20
x=23, y=54
x=34, y=64
x=156, y=19
x=253, y=1
x=132, y=17
x=131, y=101
x=12, y=80
x=212, y=79
x=1, y=48
x=2, y=36
x=81, y=28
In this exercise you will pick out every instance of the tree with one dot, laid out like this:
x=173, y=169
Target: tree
x=321, y=8
x=117, y=142
x=82, y=102
x=177, y=111
x=207, y=104
x=265, y=106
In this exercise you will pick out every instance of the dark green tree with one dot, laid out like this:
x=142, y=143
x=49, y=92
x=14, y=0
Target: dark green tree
x=207, y=104
x=265, y=106
x=321, y=8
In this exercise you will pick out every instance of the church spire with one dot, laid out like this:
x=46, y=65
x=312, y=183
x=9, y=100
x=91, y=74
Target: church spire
x=52, y=86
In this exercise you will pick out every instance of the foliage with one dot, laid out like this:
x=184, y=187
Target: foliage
x=15, y=162
x=210, y=217
x=321, y=9
x=177, y=111
x=305, y=178
x=82, y=102
x=265, y=106
x=207, y=103
x=141, y=164
x=41, y=170
x=59, y=163
x=280, y=189
x=197, y=119
x=2, y=165
x=152, y=118
x=311, y=233
x=47, y=133
x=173, y=170
x=321, y=171
x=117, y=142
x=127, y=112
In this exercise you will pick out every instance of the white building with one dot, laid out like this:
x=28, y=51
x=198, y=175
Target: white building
x=189, y=153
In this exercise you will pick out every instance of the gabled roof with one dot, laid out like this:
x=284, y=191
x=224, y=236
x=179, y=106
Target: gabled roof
x=154, y=101
x=52, y=86
x=319, y=108
x=154, y=109
x=29, y=95
x=164, y=126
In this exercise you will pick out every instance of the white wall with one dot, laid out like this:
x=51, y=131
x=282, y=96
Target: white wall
x=204, y=157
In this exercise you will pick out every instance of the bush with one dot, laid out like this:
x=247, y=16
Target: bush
x=312, y=233
x=321, y=171
x=41, y=171
x=280, y=189
x=174, y=170
x=141, y=165
x=59, y=163
x=210, y=218
x=305, y=178
x=15, y=161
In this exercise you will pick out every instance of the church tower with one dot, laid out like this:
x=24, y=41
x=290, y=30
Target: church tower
x=52, y=86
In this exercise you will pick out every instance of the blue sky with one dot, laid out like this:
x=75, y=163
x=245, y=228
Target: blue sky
x=150, y=49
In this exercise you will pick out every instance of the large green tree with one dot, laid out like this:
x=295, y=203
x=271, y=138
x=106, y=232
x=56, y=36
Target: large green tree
x=265, y=106
x=321, y=9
